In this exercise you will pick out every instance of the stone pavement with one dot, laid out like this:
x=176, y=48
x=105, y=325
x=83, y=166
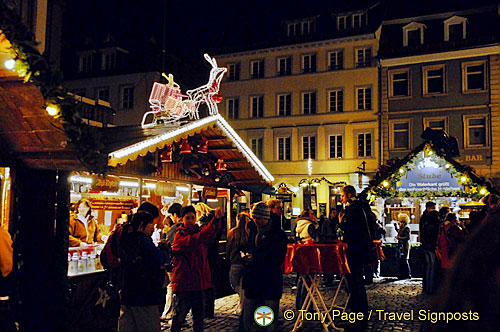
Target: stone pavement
x=388, y=294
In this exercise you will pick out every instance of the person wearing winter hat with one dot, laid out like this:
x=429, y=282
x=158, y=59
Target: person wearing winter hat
x=263, y=282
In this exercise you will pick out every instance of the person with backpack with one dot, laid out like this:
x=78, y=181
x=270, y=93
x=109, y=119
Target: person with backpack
x=143, y=276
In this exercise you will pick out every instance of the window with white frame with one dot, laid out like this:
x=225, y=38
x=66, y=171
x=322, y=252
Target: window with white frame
x=233, y=108
x=364, y=98
x=434, y=80
x=364, y=145
x=233, y=71
x=293, y=29
x=474, y=76
x=85, y=65
x=257, y=69
x=455, y=28
x=363, y=57
x=309, y=63
x=342, y=22
x=309, y=102
x=108, y=61
x=284, y=66
x=436, y=123
x=413, y=34
x=336, y=146
x=336, y=100
x=128, y=97
x=284, y=148
x=309, y=147
x=359, y=20
x=284, y=104
x=257, y=145
x=257, y=106
x=336, y=60
x=103, y=94
x=476, y=131
x=307, y=27
x=400, y=134
x=399, y=83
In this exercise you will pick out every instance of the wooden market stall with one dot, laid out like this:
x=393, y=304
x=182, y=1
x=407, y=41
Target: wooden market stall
x=428, y=173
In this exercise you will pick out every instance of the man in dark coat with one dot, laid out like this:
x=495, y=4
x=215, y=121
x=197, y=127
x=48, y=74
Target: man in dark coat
x=354, y=224
x=263, y=283
x=430, y=255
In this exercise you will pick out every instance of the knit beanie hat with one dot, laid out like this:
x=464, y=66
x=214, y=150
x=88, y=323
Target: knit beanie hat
x=149, y=207
x=261, y=210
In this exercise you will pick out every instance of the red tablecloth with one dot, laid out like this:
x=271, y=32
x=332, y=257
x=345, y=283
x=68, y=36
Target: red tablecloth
x=316, y=258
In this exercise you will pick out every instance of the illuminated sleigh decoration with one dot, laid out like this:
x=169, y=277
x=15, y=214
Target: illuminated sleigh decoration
x=168, y=104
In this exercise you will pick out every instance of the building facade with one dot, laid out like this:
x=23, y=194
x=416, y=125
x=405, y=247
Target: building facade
x=441, y=70
x=308, y=109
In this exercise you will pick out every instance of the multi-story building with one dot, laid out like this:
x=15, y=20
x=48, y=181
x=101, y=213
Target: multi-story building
x=308, y=105
x=104, y=72
x=440, y=68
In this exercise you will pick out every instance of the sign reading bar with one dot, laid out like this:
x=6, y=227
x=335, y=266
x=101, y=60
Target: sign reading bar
x=428, y=176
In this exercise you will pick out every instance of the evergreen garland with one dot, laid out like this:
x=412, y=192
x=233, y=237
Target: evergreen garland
x=31, y=65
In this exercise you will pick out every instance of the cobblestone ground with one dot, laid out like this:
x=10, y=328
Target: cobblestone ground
x=388, y=294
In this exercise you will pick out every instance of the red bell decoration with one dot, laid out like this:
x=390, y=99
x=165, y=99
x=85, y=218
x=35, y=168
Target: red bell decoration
x=221, y=165
x=217, y=98
x=166, y=155
x=203, y=146
x=185, y=146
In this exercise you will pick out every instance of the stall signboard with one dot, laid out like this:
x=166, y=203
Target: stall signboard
x=284, y=197
x=428, y=176
x=106, y=183
x=322, y=209
x=209, y=193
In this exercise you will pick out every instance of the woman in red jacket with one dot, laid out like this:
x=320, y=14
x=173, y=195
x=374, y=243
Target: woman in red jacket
x=191, y=272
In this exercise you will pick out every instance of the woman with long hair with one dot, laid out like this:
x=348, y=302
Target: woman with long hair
x=240, y=242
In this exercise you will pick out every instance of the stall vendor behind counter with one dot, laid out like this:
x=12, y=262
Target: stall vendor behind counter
x=83, y=228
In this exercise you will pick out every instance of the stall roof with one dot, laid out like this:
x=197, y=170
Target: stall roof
x=126, y=144
x=384, y=183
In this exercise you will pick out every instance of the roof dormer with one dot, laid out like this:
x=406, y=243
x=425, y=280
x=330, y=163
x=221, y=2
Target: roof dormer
x=455, y=28
x=303, y=27
x=413, y=34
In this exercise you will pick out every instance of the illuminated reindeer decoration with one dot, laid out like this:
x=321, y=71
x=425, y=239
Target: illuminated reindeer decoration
x=168, y=105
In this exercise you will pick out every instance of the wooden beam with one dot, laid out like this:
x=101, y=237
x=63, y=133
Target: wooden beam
x=222, y=148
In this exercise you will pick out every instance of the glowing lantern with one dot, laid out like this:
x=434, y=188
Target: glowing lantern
x=166, y=155
x=221, y=165
x=203, y=146
x=185, y=146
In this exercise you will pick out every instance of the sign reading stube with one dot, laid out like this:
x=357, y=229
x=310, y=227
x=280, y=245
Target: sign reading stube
x=428, y=176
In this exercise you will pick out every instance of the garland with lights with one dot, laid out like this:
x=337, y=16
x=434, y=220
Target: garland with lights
x=31, y=65
x=387, y=177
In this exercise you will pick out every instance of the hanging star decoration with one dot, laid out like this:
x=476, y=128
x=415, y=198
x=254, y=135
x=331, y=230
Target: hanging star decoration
x=103, y=297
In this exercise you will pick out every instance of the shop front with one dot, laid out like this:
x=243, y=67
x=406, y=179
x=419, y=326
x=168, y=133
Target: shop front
x=402, y=187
